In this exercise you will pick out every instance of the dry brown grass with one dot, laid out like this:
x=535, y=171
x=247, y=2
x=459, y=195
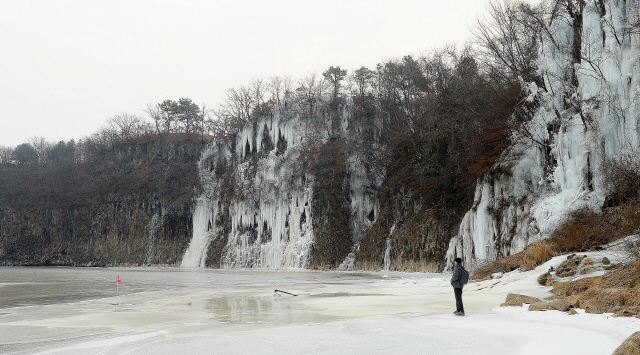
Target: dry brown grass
x=506, y=264
x=628, y=276
x=619, y=288
x=614, y=297
x=415, y=266
x=582, y=231
x=585, y=230
x=537, y=254
x=583, y=285
x=368, y=265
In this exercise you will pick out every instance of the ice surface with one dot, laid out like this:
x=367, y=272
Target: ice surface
x=204, y=311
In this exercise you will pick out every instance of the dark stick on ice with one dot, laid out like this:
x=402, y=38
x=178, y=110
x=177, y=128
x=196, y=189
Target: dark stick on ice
x=276, y=291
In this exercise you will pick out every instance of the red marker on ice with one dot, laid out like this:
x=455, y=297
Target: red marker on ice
x=117, y=283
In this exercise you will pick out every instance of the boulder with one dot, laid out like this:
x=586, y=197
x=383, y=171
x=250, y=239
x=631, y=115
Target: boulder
x=560, y=304
x=588, y=269
x=574, y=302
x=542, y=280
x=569, y=266
x=550, y=282
x=561, y=288
x=627, y=312
x=631, y=346
x=594, y=306
x=611, y=266
x=606, y=261
x=517, y=300
x=588, y=266
x=586, y=261
x=572, y=312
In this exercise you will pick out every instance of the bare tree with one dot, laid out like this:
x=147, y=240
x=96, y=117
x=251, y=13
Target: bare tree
x=280, y=89
x=259, y=90
x=153, y=110
x=206, y=119
x=508, y=41
x=105, y=137
x=309, y=90
x=622, y=176
x=238, y=104
x=5, y=154
x=128, y=125
x=41, y=147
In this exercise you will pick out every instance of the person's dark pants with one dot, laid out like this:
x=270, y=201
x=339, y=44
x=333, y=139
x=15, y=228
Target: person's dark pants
x=459, y=305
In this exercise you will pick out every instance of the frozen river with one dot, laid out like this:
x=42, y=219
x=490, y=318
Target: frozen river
x=204, y=311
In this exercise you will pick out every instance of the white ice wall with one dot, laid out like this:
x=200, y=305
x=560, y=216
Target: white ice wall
x=270, y=218
x=531, y=205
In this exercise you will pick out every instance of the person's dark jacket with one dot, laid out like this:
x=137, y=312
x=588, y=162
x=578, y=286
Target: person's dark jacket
x=455, y=279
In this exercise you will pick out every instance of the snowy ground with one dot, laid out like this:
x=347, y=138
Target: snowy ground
x=175, y=311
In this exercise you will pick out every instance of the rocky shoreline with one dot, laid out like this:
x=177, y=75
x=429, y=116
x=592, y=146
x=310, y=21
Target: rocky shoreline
x=595, y=285
x=590, y=282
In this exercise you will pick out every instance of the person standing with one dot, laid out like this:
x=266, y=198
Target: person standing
x=457, y=285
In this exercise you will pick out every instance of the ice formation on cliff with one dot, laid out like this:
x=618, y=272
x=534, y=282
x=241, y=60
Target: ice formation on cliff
x=511, y=212
x=270, y=216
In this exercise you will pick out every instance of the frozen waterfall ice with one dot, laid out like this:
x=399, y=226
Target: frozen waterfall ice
x=196, y=253
x=511, y=212
x=267, y=221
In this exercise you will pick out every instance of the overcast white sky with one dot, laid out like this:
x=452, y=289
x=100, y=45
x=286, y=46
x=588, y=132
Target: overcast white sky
x=66, y=66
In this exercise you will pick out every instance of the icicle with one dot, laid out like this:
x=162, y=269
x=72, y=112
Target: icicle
x=387, y=253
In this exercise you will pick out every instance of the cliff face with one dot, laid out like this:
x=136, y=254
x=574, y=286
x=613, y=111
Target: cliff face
x=288, y=190
x=377, y=180
x=587, y=114
x=128, y=205
x=320, y=188
x=373, y=180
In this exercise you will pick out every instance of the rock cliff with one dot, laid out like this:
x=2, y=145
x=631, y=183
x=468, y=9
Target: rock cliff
x=127, y=205
x=587, y=114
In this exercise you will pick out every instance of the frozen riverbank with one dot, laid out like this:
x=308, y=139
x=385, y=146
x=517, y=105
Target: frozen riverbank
x=167, y=311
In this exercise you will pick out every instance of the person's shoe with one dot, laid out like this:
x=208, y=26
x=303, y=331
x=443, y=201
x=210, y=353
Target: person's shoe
x=458, y=313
